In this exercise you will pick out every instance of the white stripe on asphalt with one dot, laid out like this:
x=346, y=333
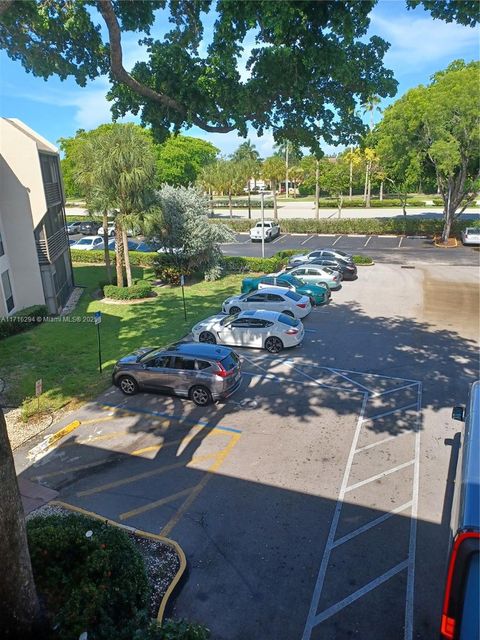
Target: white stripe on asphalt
x=388, y=413
x=284, y=237
x=400, y=242
x=375, y=444
x=328, y=613
x=312, y=618
x=372, y=523
x=309, y=238
x=375, y=375
x=335, y=242
x=368, y=240
x=337, y=372
x=384, y=393
x=378, y=476
x=413, y=528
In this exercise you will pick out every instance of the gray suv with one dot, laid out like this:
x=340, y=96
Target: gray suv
x=201, y=372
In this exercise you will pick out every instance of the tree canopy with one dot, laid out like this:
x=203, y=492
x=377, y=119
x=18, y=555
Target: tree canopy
x=436, y=130
x=180, y=159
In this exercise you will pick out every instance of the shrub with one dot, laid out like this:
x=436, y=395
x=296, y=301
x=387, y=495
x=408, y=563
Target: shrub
x=87, y=583
x=137, y=258
x=241, y=204
x=236, y=264
x=22, y=320
x=362, y=260
x=170, y=274
x=214, y=272
x=141, y=289
x=174, y=630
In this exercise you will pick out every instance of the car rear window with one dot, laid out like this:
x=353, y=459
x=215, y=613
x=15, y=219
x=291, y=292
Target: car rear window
x=230, y=362
x=291, y=322
x=472, y=230
x=293, y=296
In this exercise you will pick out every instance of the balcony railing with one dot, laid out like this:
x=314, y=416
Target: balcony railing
x=48, y=250
x=53, y=194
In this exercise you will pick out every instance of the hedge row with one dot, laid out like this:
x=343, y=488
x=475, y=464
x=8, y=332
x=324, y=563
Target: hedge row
x=137, y=258
x=22, y=320
x=241, y=204
x=237, y=264
x=139, y=290
x=375, y=226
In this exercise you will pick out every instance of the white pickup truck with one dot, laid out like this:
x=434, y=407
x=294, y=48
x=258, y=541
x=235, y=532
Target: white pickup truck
x=270, y=231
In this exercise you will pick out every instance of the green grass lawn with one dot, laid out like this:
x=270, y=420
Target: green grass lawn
x=64, y=354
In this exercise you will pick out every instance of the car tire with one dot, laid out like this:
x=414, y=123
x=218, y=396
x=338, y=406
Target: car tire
x=208, y=337
x=312, y=302
x=288, y=313
x=273, y=344
x=200, y=395
x=234, y=310
x=128, y=385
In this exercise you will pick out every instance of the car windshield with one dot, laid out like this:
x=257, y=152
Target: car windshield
x=84, y=241
x=291, y=322
x=230, y=362
x=266, y=224
x=293, y=296
x=149, y=354
x=327, y=270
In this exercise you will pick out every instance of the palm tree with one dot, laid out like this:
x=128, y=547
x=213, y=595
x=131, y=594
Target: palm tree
x=123, y=169
x=370, y=106
x=272, y=170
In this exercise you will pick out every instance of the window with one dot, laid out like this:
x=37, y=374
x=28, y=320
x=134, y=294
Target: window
x=291, y=322
x=314, y=272
x=257, y=297
x=159, y=362
x=300, y=272
x=273, y=297
x=293, y=296
x=202, y=364
x=7, y=290
x=2, y=250
x=184, y=364
x=242, y=323
x=315, y=254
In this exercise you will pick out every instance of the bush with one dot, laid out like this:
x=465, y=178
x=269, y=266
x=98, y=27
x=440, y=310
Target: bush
x=376, y=226
x=22, y=320
x=141, y=289
x=362, y=260
x=137, y=258
x=237, y=264
x=241, y=204
x=170, y=274
x=214, y=272
x=95, y=584
x=174, y=630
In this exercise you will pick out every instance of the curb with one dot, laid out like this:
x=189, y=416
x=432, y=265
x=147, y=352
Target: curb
x=144, y=534
x=445, y=246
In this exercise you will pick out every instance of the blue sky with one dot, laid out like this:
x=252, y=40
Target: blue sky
x=420, y=46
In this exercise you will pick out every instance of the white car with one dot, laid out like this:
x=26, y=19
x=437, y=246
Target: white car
x=263, y=329
x=110, y=230
x=471, y=235
x=88, y=243
x=269, y=230
x=272, y=299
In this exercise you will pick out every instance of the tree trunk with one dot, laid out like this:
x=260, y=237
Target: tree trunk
x=119, y=253
x=340, y=205
x=286, y=172
x=127, y=257
x=350, y=189
x=105, y=247
x=249, y=203
x=448, y=212
x=381, y=191
x=275, y=210
x=211, y=203
x=368, y=186
x=19, y=610
x=317, y=190
x=230, y=203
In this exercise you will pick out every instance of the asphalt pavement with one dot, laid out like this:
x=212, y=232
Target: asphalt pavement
x=315, y=502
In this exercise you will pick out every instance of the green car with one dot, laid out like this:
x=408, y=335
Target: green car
x=318, y=294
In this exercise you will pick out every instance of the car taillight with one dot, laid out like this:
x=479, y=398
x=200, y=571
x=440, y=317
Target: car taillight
x=302, y=305
x=222, y=372
x=449, y=611
x=291, y=332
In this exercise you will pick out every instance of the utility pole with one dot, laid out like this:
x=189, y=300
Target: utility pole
x=262, y=195
x=317, y=187
x=286, y=170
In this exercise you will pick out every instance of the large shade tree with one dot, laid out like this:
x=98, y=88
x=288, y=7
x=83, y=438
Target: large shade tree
x=181, y=158
x=436, y=130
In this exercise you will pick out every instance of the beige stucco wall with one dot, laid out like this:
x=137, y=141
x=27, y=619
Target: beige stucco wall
x=22, y=206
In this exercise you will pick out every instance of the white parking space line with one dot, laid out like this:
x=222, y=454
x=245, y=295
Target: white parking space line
x=284, y=237
x=384, y=474
x=312, y=617
x=328, y=613
x=337, y=372
x=309, y=238
x=413, y=527
x=383, y=441
x=375, y=375
x=384, y=393
x=400, y=242
x=335, y=241
x=373, y=523
x=368, y=240
x=388, y=413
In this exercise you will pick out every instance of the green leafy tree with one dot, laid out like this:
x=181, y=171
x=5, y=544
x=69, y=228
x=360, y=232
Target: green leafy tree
x=273, y=169
x=180, y=159
x=436, y=129
x=246, y=151
x=334, y=176
x=180, y=223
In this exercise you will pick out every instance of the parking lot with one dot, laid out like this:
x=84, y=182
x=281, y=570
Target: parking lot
x=391, y=249
x=313, y=503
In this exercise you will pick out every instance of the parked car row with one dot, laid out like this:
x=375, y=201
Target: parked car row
x=266, y=315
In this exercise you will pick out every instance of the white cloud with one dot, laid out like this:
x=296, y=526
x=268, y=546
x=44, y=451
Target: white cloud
x=419, y=41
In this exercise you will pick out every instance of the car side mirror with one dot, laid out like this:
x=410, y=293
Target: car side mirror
x=458, y=413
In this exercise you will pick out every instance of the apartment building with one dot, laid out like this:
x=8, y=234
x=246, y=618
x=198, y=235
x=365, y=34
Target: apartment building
x=35, y=262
